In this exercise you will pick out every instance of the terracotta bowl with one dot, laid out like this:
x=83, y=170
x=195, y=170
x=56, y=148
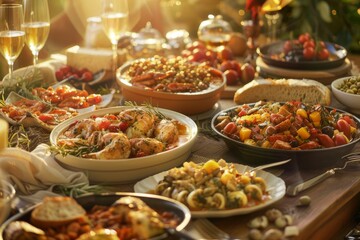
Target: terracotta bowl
x=185, y=103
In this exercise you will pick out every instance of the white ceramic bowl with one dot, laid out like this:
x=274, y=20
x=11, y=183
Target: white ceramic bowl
x=7, y=195
x=185, y=103
x=352, y=101
x=127, y=170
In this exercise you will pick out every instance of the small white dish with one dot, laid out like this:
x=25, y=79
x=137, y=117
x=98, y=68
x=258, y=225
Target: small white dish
x=352, y=101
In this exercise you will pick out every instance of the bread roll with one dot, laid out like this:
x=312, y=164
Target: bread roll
x=282, y=90
x=55, y=211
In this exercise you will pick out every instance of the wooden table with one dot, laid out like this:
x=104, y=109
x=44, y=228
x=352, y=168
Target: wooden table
x=334, y=204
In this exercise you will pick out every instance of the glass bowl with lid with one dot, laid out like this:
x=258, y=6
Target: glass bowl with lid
x=215, y=32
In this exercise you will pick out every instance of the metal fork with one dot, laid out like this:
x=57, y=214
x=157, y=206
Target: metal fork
x=294, y=189
x=209, y=230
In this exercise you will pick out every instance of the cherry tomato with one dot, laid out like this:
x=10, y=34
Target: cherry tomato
x=287, y=46
x=309, y=43
x=344, y=127
x=323, y=54
x=308, y=53
x=231, y=77
x=87, y=76
x=340, y=139
x=103, y=123
x=325, y=140
x=303, y=38
x=94, y=99
x=309, y=145
x=123, y=126
x=349, y=120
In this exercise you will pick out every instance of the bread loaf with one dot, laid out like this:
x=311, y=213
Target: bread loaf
x=282, y=90
x=94, y=59
x=55, y=211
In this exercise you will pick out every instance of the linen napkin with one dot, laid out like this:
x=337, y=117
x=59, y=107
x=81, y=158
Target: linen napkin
x=36, y=173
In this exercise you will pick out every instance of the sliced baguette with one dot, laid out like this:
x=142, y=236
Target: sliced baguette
x=56, y=211
x=282, y=90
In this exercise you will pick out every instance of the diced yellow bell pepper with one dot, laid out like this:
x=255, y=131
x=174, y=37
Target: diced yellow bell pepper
x=302, y=113
x=315, y=116
x=303, y=133
x=316, y=124
x=226, y=177
x=250, y=142
x=244, y=133
x=265, y=144
x=210, y=166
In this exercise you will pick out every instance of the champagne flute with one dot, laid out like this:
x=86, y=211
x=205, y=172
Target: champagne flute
x=36, y=25
x=114, y=20
x=11, y=34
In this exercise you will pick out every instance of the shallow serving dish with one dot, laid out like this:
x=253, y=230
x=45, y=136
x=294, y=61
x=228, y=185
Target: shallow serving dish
x=131, y=169
x=275, y=186
x=352, y=101
x=337, y=57
x=310, y=158
x=158, y=203
x=186, y=103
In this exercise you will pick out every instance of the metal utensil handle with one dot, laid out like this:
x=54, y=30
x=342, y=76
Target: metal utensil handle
x=294, y=189
x=270, y=165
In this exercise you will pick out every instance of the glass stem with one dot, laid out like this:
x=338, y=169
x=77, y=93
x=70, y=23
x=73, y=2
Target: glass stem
x=114, y=50
x=36, y=58
x=11, y=67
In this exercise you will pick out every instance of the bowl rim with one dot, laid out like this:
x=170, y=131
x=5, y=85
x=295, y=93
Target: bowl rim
x=285, y=151
x=91, y=163
x=214, y=88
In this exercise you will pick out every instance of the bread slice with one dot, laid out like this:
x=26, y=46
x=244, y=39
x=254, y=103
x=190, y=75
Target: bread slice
x=282, y=90
x=56, y=211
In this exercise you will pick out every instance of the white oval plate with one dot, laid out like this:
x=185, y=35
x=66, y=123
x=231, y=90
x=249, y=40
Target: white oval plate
x=275, y=185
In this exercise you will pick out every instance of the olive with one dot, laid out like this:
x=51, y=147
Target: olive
x=328, y=130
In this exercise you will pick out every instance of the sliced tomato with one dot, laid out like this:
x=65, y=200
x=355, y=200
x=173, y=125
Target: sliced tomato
x=45, y=117
x=103, y=124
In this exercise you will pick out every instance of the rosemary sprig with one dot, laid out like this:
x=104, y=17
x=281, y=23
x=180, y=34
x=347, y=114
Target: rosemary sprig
x=27, y=138
x=148, y=108
x=77, y=150
x=77, y=189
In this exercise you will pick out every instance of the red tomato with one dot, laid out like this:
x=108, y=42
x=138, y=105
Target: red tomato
x=87, y=76
x=325, y=140
x=308, y=53
x=349, y=120
x=59, y=75
x=309, y=145
x=231, y=77
x=94, y=99
x=323, y=54
x=309, y=43
x=123, y=126
x=46, y=117
x=303, y=38
x=230, y=128
x=104, y=123
x=340, y=139
x=198, y=54
x=344, y=127
x=287, y=46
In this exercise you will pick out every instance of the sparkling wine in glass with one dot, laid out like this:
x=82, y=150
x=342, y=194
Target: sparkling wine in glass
x=12, y=35
x=36, y=25
x=114, y=19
